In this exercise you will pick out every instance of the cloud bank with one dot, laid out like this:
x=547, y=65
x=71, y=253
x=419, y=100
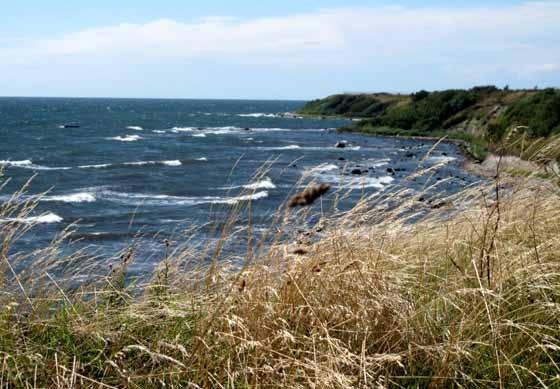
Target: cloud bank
x=517, y=41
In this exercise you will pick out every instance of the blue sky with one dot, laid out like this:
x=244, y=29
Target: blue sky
x=277, y=49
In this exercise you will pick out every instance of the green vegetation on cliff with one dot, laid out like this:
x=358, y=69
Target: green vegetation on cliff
x=484, y=116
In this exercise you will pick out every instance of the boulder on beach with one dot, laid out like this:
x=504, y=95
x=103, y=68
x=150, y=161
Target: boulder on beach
x=309, y=195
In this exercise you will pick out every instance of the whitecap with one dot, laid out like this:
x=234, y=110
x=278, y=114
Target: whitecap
x=127, y=138
x=289, y=147
x=27, y=164
x=24, y=163
x=265, y=183
x=100, y=166
x=139, y=199
x=325, y=167
x=175, y=162
x=258, y=115
x=46, y=218
x=158, y=131
x=380, y=162
x=182, y=129
x=203, y=159
x=355, y=182
x=200, y=135
x=441, y=159
x=136, y=128
x=82, y=197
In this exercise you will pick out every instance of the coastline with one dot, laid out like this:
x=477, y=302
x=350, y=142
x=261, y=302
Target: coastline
x=471, y=164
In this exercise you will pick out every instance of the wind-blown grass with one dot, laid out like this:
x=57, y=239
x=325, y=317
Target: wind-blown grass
x=468, y=295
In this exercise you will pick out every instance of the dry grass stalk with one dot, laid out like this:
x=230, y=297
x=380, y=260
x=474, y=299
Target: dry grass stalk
x=467, y=295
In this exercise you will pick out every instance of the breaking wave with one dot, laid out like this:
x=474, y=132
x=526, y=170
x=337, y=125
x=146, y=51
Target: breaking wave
x=27, y=164
x=82, y=197
x=139, y=199
x=265, y=183
x=47, y=218
x=126, y=138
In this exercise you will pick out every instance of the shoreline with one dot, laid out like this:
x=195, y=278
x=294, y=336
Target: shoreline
x=486, y=168
x=470, y=164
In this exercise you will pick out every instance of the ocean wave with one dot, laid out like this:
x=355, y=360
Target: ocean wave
x=136, y=128
x=380, y=162
x=355, y=182
x=127, y=138
x=159, y=131
x=225, y=130
x=441, y=159
x=201, y=135
x=24, y=163
x=265, y=183
x=203, y=159
x=82, y=197
x=312, y=148
x=289, y=147
x=46, y=218
x=284, y=115
x=174, y=162
x=182, y=129
x=258, y=115
x=27, y=164
x=324, y=167
x=139, y=199
x=100, y=166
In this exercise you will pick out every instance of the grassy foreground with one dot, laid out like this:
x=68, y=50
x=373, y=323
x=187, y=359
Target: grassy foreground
x=469, y=296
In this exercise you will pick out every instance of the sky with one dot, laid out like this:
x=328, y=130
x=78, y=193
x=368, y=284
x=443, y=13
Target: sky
x=289, y=49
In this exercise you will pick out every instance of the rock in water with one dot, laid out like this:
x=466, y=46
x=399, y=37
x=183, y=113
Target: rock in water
x=309, y=195
x=356, y=171
x=340, y=144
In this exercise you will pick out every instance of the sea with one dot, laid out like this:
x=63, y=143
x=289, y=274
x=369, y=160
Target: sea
x=116, y=171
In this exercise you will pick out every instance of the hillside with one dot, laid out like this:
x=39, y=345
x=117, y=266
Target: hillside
x=485, y=116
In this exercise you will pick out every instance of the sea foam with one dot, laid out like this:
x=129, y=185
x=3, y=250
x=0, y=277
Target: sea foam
x=27, y=164
x=265, y=183
x=140, y=199
x=127, y=138
x=46, y=218
x=82, y=197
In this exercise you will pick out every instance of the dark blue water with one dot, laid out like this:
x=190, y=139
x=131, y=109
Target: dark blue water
x=157, y=166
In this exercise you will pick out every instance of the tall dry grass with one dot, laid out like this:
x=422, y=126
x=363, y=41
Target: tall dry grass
x=462, y=291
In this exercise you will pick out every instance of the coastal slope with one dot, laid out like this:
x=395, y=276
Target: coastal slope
x=486, y=117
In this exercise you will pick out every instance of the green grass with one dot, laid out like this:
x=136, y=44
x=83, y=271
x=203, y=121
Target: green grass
x=484, y=117
x=467, y=296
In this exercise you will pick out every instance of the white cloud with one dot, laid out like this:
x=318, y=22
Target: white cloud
x=378, y=31
x=519, y=40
